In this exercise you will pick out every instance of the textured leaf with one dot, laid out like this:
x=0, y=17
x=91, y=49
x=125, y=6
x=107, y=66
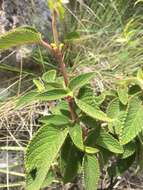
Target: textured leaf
x=129, y=149
x=108, y=142
x=121, y=166
x=54, y=94
x=52, y=85
x=27, y=98
x=114, y=108
x=89, y=122
x=105, y=156
x=91, y=172
x=123, y=94
x=49, y=76
x=87, y=95
x=118, y=112
x=75, y=133
x=92, y=112
x=70, y=161
x=19, y=36
x=134, y=121
x=99, y=137
x=56, y=120
x=61, y=108
x=39, y=85
x=50, y=95
x=81, y=80
x=41, y=153
x=48, y=180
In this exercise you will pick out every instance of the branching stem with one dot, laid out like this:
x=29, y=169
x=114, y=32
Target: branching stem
x=60, y=59
x=54, y=28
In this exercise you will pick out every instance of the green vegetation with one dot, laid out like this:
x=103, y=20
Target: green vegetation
x=95, y=78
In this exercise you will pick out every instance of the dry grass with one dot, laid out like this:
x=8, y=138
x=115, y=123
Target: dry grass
x=16, y=129
x=97, y=50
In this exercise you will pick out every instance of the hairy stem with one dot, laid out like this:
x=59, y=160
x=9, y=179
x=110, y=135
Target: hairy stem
x=54, y=28
x=46, y=45
x=60, y=59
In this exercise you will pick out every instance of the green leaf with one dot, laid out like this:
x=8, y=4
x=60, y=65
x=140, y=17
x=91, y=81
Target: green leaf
x=117, y=111
x=91, y=150
x=134, y=89
x=89, y=122
x=50, y=95
x=41, y=152
x=61, y=108
x=100, y=137
x=105, y=156
x=53, y=85
x=48, y=180
x=114, y=107
x=129, y=149
x=87, y=95
x=75, y=133
x=58, y=6
x=134, y=121
x=81, y=80
x=49, y=76
x=19, y=36
x=91, y=172
x=27, y=98
x=92, y=112
x=39, y=85
x=107, y=141
x=54, y=94
x=56, y=120
x=123, y=94
x=121, y=166
x=140, y=75
x=70, y=161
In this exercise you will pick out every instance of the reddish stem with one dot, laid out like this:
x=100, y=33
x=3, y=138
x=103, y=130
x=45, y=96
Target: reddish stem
x=46, y=45
x=60, y=59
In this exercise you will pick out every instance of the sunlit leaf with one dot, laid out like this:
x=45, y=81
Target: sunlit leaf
x=19, y=36
x=41, y=152
x=75, y=133
x=92, y=112
x=91, y=172
x=134, y=121
x=81, y=80
x=49, y=76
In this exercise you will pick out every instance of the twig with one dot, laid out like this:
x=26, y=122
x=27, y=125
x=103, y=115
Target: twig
x=60, y=59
